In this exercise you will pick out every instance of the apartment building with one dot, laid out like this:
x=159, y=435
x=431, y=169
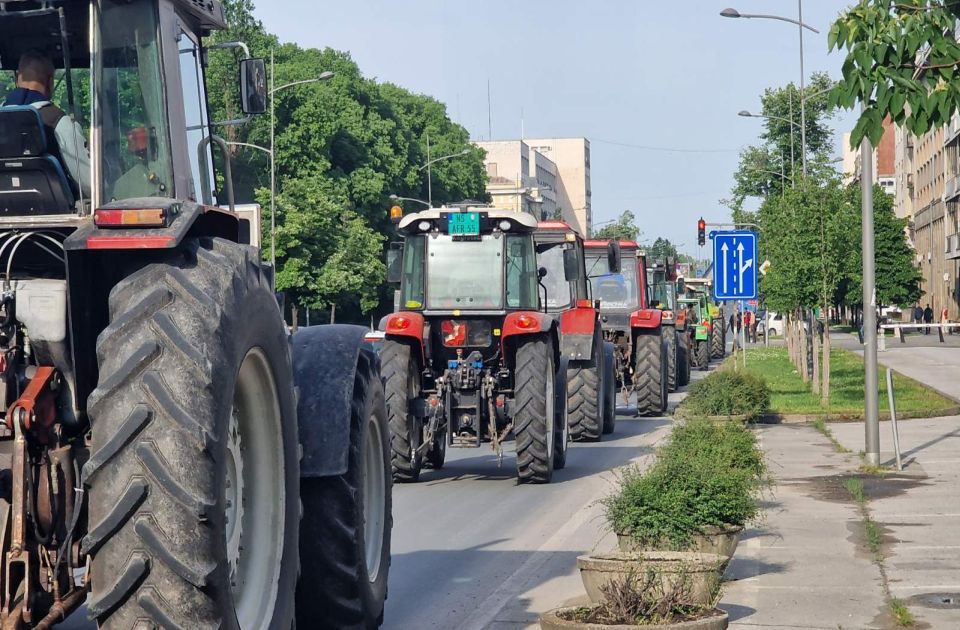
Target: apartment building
x=927, y=193
x=540, y=176
x=884, y=160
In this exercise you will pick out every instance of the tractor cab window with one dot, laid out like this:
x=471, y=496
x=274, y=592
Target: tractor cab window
x=559, y=290
x=411, y=282
x=465, y=274
x=194, y=106
x=522, y=284
x=616, y=291
x=134, y=142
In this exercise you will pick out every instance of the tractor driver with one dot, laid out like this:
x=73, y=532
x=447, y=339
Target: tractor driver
x=34, y=88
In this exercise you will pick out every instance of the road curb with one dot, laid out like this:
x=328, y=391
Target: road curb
x=805, y=418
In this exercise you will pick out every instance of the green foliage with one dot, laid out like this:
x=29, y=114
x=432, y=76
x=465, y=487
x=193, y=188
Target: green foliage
x=624, y=228
x=766, y=169
x=342, y=148
x=727, y=393
x=711, y=475
x=901, y=62
x=662, y=250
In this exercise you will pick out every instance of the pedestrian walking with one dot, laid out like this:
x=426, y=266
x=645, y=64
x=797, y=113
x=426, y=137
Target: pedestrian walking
x=927, y=318
x=917, y=314
x=733, y=323
x=746, y=322
x=945, y=319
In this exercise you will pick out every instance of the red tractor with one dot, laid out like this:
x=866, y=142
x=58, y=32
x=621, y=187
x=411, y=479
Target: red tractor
x=591, y=386
x=471, y=356
x=631, y=323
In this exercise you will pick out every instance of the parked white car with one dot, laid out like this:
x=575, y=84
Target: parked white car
x=773, y=322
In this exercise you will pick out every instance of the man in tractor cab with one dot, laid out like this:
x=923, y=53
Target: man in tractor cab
x=35, y=74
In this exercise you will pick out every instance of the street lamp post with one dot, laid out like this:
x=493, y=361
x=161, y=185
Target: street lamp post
x=433, y=161
x=398, y=198
x=733, y=13
x=324, y=76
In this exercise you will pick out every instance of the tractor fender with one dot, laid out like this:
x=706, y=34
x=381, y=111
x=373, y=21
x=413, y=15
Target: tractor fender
x=578, y=330
x=183, y=219
x=646, y=318
x=520, y=323
x=324, y=368
x=408, y=325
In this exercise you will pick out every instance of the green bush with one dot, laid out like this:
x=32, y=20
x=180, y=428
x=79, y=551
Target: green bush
x=728, y=393
x=708, y=474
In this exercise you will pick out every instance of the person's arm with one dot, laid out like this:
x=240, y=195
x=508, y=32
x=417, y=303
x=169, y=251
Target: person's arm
x=76, y=155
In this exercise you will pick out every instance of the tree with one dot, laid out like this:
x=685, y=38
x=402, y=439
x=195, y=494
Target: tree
x=624, y=228
x=342, y=148
x=662, y=250
x=766, y=169
x=902, y=60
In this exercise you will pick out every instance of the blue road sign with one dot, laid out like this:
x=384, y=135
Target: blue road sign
x=735, y=265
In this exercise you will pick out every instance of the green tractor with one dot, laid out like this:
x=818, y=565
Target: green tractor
x=699, y=325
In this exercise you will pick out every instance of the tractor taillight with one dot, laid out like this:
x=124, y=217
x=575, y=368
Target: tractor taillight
x=584, y=303
x=151, y=217
x=644, y=315
x=398, y=323
x=525, y=322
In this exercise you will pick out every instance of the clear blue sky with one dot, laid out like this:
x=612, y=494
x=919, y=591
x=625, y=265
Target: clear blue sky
x=659, y=74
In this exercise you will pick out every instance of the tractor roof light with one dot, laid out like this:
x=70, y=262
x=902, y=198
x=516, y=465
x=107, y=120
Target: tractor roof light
x=396, y=213
x=570, y=237
x=504, y=225
x=424, y=226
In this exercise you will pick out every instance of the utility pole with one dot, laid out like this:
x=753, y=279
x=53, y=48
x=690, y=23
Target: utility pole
x=803, y=107
x=872, y=420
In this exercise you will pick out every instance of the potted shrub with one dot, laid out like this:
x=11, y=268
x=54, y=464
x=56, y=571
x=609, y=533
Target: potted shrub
x=697, y=573
x=703, y=488
x=641, y=599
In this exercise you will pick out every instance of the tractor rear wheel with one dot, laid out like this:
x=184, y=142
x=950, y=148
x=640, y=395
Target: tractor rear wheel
x=703, y=354
x=717, y=349
x=670, y=334
x=347, y=520
x=194, y=472
x=401, y=384
x=585, y=398
x=648, y=373
x=683, y=358
x=609, y=389
x=534, y=415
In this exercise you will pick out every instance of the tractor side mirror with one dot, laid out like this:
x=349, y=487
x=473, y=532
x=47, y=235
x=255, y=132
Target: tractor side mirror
x=253, y=86
x=394, y=263
x=613, y=256
x=542, y=273
x=571, y=265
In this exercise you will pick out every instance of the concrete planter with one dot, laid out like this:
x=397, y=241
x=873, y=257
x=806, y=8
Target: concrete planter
x=551, y=620
x=719, y=540
x=702, y=570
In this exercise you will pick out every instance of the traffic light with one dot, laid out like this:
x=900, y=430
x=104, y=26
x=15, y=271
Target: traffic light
x=701, y=232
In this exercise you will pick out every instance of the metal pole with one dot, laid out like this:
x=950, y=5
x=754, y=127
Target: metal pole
x=429, y=182
x=273, y=176
x=893, y=418
x=872, y=420
x=803, y=108
x=743, y=327
x=793, y=163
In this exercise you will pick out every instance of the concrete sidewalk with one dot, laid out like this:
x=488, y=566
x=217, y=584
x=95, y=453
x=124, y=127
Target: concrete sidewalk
x=801, y=567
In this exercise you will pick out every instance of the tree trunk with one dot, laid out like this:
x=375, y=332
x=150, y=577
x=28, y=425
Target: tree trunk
x=296, y=313
x=804, y=374
x=825, y=390
x=816, y=356
x=333, y=313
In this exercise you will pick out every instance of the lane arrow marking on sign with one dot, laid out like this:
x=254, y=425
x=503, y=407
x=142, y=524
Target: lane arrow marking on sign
x=743, y=267
x=724, y=249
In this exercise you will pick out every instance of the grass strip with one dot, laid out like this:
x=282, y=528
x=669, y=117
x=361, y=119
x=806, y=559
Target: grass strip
x=790, y=395
x=820, y=425
x=901, y=614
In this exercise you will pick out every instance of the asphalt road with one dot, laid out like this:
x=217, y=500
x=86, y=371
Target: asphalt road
x=472, y=549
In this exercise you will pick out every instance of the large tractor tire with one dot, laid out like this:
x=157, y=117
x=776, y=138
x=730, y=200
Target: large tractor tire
x=648, y=375
x=585, y=397
x=683, y=359
x=609, y=389
x=534, y=412
x=401, y=384
x=717, y=348
x=670, y=335
x=194, y=473
x=561, y=438
x=703, y=354
x=347, y=520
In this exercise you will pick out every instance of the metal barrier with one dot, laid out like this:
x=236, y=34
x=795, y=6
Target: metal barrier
x=949, y=327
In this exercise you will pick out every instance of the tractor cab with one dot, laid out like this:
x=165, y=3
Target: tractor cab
x=560, y=254
x=130, y=73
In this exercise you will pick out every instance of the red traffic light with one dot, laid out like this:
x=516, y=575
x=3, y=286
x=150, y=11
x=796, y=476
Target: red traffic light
x=701, y=225
x=701, y=231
